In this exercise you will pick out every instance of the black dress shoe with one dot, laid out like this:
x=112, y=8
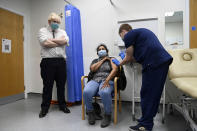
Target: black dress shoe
x=65, y=110
x=43, y=113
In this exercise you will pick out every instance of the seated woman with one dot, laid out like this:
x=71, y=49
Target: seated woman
x=102, y=83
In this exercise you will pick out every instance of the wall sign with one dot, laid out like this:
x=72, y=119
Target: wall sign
x=6, y=46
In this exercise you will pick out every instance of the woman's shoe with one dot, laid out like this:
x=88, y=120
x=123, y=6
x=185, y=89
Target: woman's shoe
x=106, y=121
x=91, y=117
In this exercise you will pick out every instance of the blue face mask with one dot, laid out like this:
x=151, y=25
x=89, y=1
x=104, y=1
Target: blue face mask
x=54, y=25
x=102, y=53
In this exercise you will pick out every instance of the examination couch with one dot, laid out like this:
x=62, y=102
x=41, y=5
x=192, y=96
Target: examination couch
x=183, y=75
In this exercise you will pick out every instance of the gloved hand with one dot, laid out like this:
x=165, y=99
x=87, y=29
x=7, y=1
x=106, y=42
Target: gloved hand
x=122, y=54
x=115, y=61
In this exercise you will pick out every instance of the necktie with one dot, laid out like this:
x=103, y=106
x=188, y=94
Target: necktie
x=53, y=34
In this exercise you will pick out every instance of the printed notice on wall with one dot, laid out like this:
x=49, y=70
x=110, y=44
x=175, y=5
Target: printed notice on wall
x=68, y=13
x=6, y=46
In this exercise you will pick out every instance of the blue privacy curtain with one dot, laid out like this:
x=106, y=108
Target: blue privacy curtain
x=74, y=53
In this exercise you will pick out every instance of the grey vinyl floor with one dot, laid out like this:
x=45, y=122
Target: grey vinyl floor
x=22, y=115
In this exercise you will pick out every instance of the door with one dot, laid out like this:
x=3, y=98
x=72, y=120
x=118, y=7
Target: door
x=193, y=24
x=11, y=64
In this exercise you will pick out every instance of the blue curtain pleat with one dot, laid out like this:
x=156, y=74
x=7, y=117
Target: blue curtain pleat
x=74, y=53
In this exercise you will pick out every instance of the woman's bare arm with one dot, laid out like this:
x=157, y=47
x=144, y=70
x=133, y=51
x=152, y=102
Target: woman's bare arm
x=112, y=74
x=96, y=66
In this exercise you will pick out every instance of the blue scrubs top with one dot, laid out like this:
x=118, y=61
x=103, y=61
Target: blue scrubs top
x=148, y=51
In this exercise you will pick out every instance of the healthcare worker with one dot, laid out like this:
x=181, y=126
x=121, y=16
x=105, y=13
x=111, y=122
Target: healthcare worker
x=53, y=65
x=143, y=46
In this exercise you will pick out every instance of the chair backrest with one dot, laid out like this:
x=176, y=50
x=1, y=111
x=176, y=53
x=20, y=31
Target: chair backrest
x=184, y=63
x=122, y=81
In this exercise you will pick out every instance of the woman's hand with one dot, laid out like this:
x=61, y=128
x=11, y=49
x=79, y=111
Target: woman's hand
x=105, y=84
x=106, y=58
x=96, y=66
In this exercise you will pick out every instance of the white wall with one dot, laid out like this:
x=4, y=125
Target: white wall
x=22, y=7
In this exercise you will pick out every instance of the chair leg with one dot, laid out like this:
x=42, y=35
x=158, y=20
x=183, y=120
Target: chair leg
x=120, y=102
x=115, y=111
x=82, y=101
x=115, y=104
x=83, y=110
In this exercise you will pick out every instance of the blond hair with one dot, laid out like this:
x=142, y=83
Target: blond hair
x=54, y=17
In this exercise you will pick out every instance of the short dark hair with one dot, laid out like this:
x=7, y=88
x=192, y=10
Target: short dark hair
x=126, y=27
x=97, y=49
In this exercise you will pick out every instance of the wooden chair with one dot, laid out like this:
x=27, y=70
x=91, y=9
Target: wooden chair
x=116, y=92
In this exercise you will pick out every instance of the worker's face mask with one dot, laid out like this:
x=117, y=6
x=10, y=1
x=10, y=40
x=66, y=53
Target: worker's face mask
x=54, y=25
x=102, y=53
x=122, y=34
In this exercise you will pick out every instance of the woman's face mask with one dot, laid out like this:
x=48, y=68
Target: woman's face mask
x=54, y=25
x=102, y=53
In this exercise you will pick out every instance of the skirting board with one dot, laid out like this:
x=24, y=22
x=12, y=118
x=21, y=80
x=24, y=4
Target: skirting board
x=13, y=98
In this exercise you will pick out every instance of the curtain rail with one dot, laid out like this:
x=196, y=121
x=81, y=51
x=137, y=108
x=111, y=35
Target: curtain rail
x=111, y=2
x=68, y=2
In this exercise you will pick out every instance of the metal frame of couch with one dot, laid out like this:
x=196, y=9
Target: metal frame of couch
x=183, y=74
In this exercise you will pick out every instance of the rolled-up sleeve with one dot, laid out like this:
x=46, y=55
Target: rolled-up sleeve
x=42, y=35
x=130, y=38
x=66, y=36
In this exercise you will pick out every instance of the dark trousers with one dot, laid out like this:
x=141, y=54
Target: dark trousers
x=53, y=69
x=153, y=80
